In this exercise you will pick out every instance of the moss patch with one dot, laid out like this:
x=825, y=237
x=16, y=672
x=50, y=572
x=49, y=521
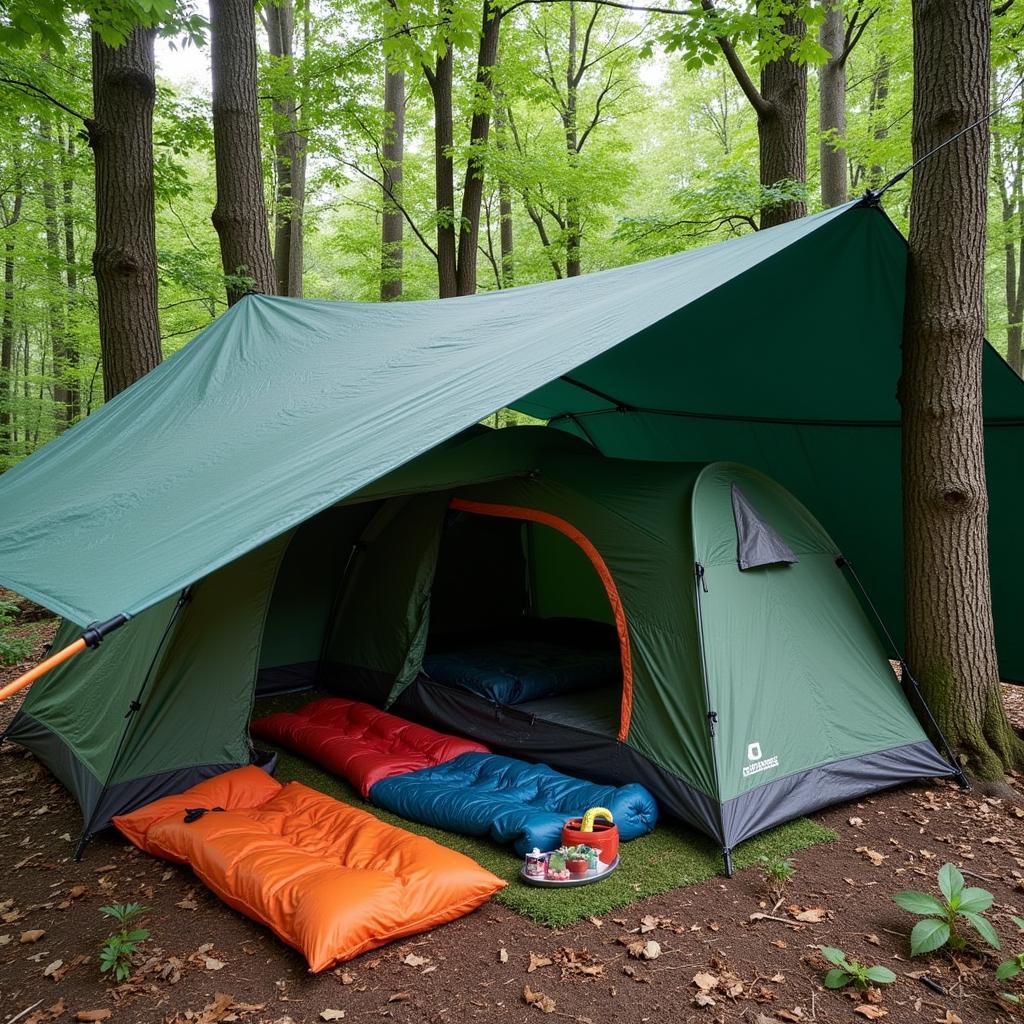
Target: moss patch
x=670, y=857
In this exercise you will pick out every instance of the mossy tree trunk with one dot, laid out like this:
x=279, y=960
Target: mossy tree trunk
x=950, y=635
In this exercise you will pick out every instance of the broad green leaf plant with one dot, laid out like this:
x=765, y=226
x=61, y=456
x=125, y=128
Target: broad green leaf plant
x=942, y=921
x=118, y=949
x=1011, y=969
x=847, y=971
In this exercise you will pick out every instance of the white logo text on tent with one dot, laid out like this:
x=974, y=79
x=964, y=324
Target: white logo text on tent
x=758, y=763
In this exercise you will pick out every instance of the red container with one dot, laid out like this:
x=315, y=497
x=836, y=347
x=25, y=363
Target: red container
x=577, y=867
x=604, y=838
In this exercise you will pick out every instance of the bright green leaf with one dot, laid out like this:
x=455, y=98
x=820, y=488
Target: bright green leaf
x=928, y=935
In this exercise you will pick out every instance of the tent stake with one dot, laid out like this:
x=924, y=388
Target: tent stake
x=727, y=858
x=92, y=637
x=906, y=675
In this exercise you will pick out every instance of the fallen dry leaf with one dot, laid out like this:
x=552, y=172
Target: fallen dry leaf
x=874, y=856
x=703, y=999
x=950, y=1018
x=538, y=960
x=871, y=1012
x=413, y=960
x=400, y=997
x=332, y=1014
x=705, y=982
x=52, y=968
x=32, y=935
x=812, y=915
x=213, y=964
x=538, y=1000
x=92, y=1016
x=215, y=1011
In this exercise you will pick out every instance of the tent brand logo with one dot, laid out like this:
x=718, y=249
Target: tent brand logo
x=758, y=763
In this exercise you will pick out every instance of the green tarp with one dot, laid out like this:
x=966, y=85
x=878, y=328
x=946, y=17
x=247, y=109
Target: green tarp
x=779, y=350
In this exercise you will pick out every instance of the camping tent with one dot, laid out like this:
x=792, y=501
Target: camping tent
x=778, y=350
x=749, y=686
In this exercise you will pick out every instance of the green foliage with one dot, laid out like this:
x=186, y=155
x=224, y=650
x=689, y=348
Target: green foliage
x=12, y=648
x=847, y=971
x=777, y=873
x=943, y=920
x=1011, y=969
x=117, y=949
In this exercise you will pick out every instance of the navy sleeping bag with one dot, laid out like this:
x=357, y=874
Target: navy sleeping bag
x=512, y=801
x=511, y=671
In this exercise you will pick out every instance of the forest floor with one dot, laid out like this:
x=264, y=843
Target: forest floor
x=205, y=963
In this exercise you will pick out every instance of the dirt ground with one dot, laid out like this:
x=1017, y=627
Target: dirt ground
x=205, y=963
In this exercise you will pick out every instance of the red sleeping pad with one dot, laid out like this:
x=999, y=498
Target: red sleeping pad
x=359, y=742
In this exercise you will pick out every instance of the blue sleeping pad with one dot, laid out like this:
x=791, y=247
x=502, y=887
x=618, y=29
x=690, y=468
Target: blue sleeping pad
x=512, y=801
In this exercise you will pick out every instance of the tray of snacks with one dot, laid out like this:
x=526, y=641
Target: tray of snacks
x=566, y=867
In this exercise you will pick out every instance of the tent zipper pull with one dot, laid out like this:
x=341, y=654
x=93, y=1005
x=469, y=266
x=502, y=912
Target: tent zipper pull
x=712, y=722
x=699, y=570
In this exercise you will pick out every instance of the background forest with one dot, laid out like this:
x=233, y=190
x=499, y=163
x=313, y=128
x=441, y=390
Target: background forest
x=410, y=150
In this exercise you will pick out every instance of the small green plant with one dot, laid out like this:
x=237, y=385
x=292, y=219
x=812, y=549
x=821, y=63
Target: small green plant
x=118, y=949
x=942, y=920
x=12, y=648
x=852, y=972
x=777, y=873
x=1012, y=968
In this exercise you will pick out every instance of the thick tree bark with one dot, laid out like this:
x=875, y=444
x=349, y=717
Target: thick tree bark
x=782, y=127
x=950, y=637
x=439, y=78
x=473, y=186
x=289, y=156
x=124, y=260
x=832, y=108
x=393, y=153
x=240, y=214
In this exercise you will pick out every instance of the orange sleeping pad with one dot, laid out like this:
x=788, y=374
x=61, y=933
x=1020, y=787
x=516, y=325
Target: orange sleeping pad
x=329, y=879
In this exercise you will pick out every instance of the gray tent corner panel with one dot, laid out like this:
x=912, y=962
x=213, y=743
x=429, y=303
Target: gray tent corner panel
x=757, y=542
x=805, y=792
x=54, y=752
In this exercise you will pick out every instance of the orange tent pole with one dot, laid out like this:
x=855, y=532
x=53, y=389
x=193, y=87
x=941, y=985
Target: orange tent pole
x=42, y=668
x=92, y=637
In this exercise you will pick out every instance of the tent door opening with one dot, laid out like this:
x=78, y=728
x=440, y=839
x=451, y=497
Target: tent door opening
x=521, y=615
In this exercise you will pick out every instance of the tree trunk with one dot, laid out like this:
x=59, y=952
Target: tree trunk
x=573, y=232
x=7, y=352
x=950, y=638
x=440, y=80
x=289, y=155
x=879, y=101
x=240, y=214
x=506, y=241
x=71, y=354
x=473, y=187
x=124, y=260
x=63, y=414
x=392, y=221
x=782, y=127
x=832, y=108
